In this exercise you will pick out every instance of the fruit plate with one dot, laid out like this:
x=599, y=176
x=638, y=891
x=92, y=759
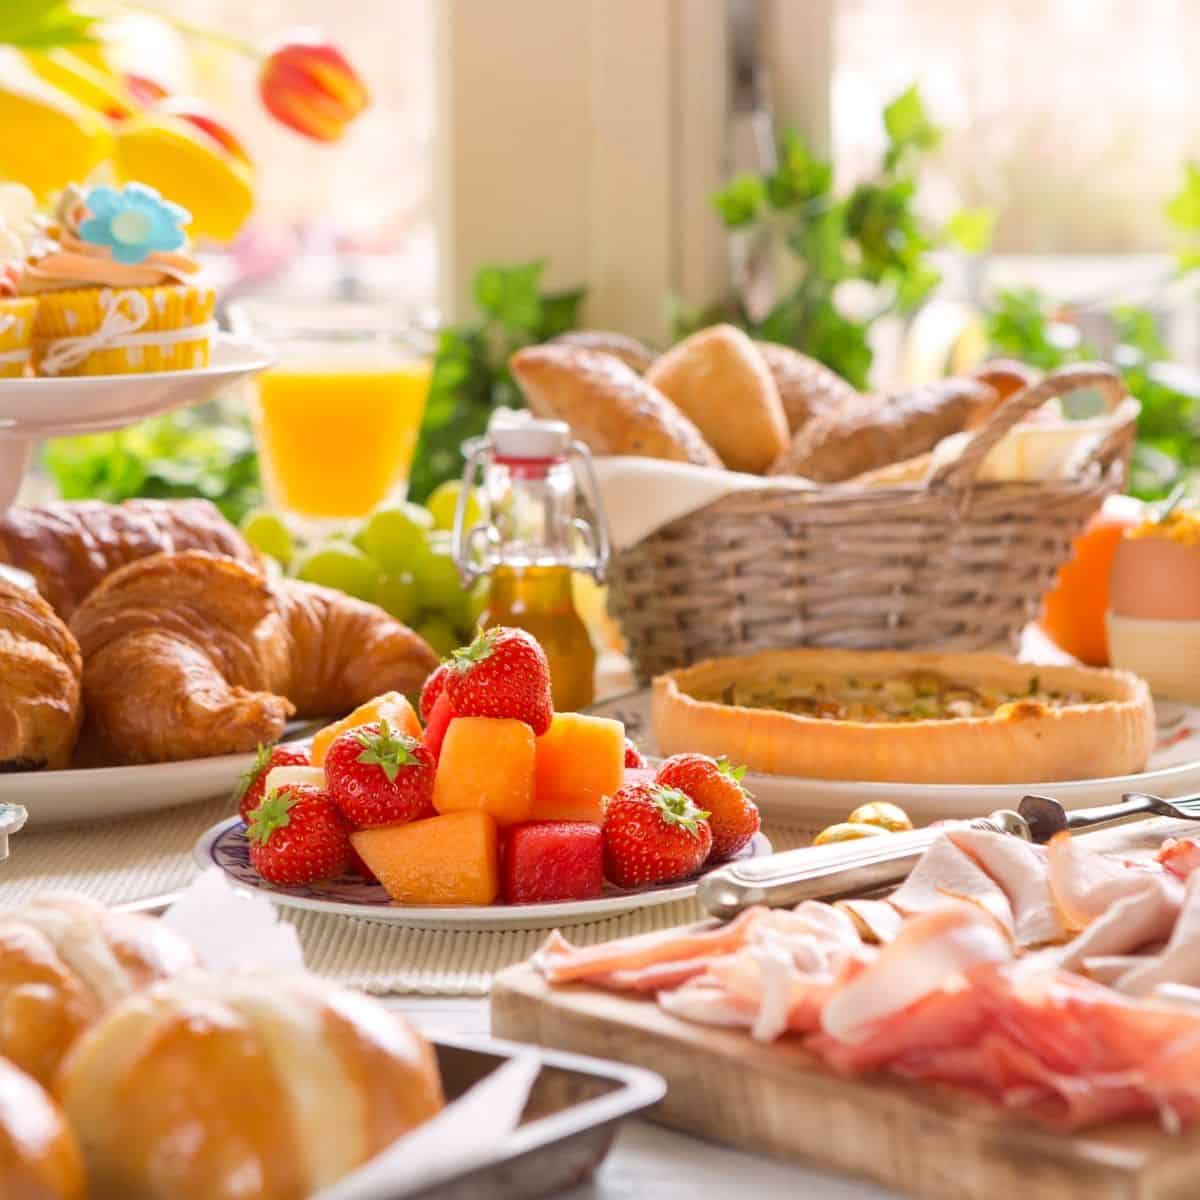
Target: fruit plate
x=225, y=846
x=105, y=793
x=1174, y=770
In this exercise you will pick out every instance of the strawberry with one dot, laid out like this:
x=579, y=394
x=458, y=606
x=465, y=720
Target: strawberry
x=380, y=776
x=633, y=756
x=434, y=686
x=250, y=786
x=717, y=786
x=653, y=834
x=439, y=721
x=502, y=673
x=298, y=836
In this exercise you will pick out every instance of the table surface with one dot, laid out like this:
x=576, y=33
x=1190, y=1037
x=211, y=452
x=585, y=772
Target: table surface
x=650, y=1162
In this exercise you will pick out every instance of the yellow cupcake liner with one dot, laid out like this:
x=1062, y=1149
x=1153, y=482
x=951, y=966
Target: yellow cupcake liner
x=111, y=331
x=16, y=336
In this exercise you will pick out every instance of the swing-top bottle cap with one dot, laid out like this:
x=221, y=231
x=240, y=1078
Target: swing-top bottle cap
x=517, y=434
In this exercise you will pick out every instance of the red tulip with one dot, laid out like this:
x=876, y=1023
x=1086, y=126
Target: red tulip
x=308, y=85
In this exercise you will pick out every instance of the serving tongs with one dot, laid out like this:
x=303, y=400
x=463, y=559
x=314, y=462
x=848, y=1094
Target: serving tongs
x=867, y=865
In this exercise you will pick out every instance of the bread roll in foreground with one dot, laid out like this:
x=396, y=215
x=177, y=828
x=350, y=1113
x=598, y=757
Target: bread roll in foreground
x=609, y=407
x=718, y=379
x=243, y=1087
x=807, y=388
x=39, y=1158
x=629, y=350
x=65, y=960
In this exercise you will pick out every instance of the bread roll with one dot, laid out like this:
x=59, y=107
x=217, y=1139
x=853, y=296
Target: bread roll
x=65, y=960
x=807, y=388
x=243, y=1087
x=39, y=1157
x=718, y=379
x=629, y=350
x=609, y=407
x=869, y=435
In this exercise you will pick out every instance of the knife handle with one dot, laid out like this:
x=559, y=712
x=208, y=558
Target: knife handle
x=827, y=872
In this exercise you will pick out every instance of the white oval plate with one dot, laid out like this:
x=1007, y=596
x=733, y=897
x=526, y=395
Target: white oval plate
x=1174, y=770
x=35, y=408
x=225, y=846
x=102, y=793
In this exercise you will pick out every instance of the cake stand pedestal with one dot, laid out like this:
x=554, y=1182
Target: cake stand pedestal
x=33, y=409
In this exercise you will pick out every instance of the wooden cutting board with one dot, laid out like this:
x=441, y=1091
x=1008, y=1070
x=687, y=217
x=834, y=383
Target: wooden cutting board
x=776, y=1099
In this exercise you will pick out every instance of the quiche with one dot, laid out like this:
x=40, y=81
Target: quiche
x=907, y=717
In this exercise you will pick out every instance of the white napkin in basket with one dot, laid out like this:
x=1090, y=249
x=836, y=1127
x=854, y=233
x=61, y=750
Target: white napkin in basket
x=644, y=494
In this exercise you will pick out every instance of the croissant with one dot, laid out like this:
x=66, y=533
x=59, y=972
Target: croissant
x=64, y=960
x=70, y=547
x=190, y=655
x=39, y=1157
x=243, y=1087
x=40, y=669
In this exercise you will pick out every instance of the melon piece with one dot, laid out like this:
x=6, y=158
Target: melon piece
x=486, y=763
x=453, y=859
x=391, y=707
x=580, y=760
x=553, y=860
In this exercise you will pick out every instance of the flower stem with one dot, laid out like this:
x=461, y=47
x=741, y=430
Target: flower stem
x=228, y=41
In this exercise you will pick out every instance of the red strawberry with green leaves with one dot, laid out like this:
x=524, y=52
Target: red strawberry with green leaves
x=250, y=786
x=633, y=756
x=378, y=775
x=653, y=834
x=434, y=686
x=298, y=836
x=715, y=784
x=503, y=673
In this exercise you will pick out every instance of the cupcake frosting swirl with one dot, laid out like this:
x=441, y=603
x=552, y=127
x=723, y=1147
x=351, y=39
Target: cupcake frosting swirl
x=61, y=259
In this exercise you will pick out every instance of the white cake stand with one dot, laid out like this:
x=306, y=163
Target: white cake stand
x=32, y=409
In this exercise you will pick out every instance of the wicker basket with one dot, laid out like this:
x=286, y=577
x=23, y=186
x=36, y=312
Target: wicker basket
x=950, y=562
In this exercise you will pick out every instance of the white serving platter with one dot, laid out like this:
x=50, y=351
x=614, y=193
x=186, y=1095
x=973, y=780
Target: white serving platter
x=225, y=846
x=1174, y=770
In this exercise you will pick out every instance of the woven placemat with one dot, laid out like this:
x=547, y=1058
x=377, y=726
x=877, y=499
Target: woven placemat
x=116, y=862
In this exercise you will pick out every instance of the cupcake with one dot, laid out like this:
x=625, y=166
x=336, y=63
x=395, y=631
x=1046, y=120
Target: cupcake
x=17, y=207
x=114, y=287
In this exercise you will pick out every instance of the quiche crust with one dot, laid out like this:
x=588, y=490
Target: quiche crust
x=1110, y=732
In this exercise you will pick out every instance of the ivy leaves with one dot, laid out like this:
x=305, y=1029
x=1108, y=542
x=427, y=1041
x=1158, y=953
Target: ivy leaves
x=43, y=24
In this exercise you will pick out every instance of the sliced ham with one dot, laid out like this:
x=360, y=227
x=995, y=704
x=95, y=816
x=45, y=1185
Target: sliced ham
x=945, y=872
x=1022, y=871
x=1179, y=960
x=1145, y=915
x=1086, y=884
x=1181, y=856
x=875, y=920
x=933, y=950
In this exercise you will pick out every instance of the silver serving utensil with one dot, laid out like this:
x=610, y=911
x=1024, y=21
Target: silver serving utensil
x=868, y=864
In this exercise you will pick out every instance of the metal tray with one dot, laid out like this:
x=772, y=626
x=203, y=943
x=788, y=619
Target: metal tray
x=574, y=1109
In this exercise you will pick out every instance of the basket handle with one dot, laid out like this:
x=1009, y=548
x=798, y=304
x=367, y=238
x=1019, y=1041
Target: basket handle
x=960, y=472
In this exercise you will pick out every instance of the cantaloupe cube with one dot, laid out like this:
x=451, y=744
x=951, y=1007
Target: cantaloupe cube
x=486, y=763
x=453, y=859
x=580, y=760
x=391, y=707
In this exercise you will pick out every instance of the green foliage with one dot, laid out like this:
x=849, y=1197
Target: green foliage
x=470, y=372
x=1183, y=211
x=180, y=454
x=874, y=235
x=43, y=24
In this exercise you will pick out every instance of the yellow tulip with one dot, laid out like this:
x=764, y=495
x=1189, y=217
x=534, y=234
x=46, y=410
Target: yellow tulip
x=51, y=139
x=90, y=84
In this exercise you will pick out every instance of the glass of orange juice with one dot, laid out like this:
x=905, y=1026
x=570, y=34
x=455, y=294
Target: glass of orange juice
x=337, y=417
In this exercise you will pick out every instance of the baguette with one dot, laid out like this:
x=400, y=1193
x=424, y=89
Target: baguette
x=807, y=388
x=719, y=380
x=629, y=350
x=609, y=406
x=870, y=435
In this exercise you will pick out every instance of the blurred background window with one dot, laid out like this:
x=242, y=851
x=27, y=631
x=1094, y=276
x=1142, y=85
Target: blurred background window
x=1070, y=118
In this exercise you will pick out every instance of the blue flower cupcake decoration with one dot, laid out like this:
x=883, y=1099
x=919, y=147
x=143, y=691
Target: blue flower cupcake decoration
x=133, y=223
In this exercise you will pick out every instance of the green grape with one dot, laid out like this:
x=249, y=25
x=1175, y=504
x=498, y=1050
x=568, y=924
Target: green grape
x=393, y=536
x=471, y=606
x=440, y=634
x=437, y=579
x=268, y=533
x=443, y=501
x=342, y=566
x=399, y=595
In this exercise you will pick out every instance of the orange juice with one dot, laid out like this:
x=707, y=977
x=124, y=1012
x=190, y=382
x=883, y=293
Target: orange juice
x=336, y=438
